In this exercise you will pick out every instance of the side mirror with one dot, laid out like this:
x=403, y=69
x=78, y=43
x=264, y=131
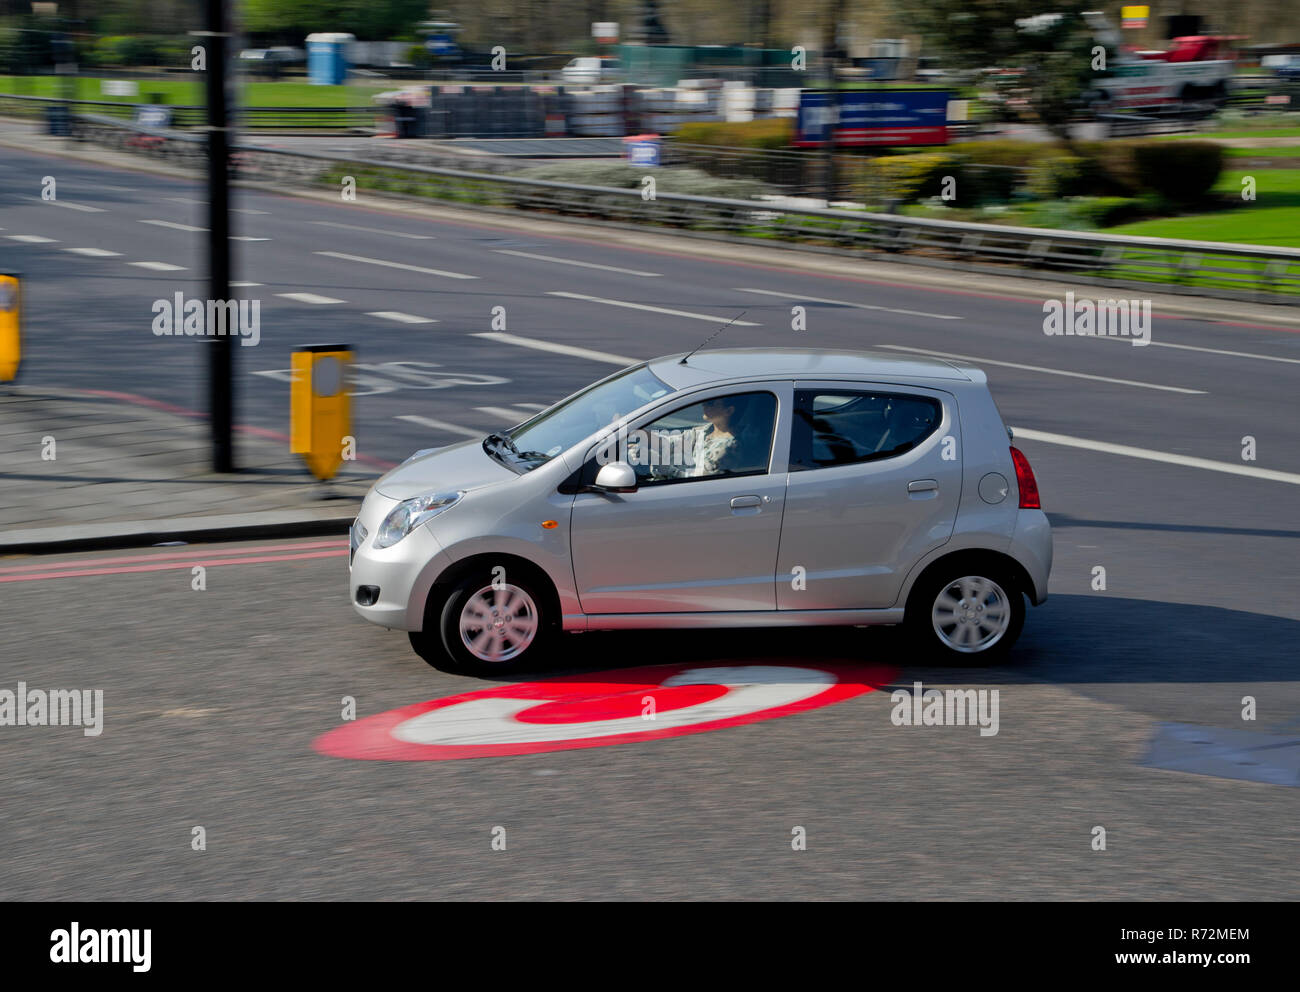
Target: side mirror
x=616, y=477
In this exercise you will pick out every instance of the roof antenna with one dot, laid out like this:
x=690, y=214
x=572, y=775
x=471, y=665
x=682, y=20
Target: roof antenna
x=714, y=335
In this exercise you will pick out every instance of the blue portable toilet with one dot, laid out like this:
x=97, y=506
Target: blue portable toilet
x=327, y=58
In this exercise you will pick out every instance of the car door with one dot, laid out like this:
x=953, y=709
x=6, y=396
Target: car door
x=702, y=529
x=874, y=484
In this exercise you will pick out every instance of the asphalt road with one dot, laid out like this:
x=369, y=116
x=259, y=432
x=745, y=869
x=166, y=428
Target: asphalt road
x=213, y=698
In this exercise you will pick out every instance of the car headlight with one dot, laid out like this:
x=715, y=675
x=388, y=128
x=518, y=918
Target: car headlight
x=410, y=513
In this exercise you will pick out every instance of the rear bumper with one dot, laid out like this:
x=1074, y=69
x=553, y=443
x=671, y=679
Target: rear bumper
x=1031, y=545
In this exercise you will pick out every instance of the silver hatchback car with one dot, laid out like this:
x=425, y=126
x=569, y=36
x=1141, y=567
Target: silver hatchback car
x=732, y=488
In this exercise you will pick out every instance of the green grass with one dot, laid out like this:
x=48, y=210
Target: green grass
x=1285, y=151
x=1272, y=218
x=189, y=92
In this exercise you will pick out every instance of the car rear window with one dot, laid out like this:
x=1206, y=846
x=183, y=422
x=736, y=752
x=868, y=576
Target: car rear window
x=845, y=427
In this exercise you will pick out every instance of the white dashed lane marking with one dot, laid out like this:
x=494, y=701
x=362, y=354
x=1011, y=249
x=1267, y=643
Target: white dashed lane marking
x=309, y=298
x=32, y=239
x=375, y=230
x=94, y=252
x=1046, y=371
x=173, y=225
x=441, y=425
x=856, y=306
x=395, y=265
x=574, y=261
x=558, y=349
x=401, y=318
x=712, y=318
x=158, y=266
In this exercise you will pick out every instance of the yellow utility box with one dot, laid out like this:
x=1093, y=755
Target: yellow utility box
x=11, y=319
x=320, y=406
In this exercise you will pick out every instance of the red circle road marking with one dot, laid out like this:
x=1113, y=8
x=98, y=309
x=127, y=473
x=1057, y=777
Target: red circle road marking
x=601, y=709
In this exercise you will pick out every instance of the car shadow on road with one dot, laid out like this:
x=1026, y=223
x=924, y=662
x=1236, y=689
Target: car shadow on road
x=1070, y=639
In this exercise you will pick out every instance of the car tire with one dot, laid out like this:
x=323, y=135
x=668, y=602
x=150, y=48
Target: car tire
x=965, y=613
x=496, y=625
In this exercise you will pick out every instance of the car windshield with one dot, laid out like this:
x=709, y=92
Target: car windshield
x=539, y=440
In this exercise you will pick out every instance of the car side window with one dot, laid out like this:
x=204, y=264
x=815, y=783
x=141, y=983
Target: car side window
x=722, y=435
x=849, y=426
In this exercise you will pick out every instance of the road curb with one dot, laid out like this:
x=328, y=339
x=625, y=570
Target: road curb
x=190, y=530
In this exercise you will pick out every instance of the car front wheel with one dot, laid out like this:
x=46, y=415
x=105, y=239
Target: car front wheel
x=491, y=624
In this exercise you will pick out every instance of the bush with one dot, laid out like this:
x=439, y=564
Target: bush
x=774, y=132
x=1065, y=175
x=907, y=178
x=1180, y=171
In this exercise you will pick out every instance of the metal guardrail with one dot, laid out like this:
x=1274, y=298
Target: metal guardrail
x=191, y=117
x=1206, y=268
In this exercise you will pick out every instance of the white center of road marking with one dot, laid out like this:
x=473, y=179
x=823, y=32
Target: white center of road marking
x=493, y=721
x=31, y=239
x=174, y=226
x=645, y=306
x=395, y=265
x=1168, y=457
x=158, y=266
x=401, y=318
x=309, y=298
x=558, y=349
x=573, y=261
x=375, y=230
x=845, y=303
x=1045, y=371
x=94, y=252
x=243, y=237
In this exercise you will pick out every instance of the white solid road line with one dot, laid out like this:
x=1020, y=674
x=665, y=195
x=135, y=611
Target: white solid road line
x=645, y=306
x=375, y=230
x=1213, y=351
x=401, y=318
x=558, y=349
x=572, y=261
x=32, y=239
x=158, y=266
x=1148, y=454
x=441, y=425
x=1045, y=371
x=173, y=225
x=394, y=265
x=94, y=252
x=309, y=298
x=795, y=298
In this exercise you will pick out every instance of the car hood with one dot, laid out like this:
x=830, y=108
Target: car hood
x=461, y=466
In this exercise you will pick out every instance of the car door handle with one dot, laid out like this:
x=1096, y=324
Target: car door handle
x=922, y=485
x=744, y=502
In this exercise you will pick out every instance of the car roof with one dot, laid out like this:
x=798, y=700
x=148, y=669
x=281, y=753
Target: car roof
x=802, y=363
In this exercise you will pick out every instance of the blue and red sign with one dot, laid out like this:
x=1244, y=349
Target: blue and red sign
x=600, y=709
x=874, y=117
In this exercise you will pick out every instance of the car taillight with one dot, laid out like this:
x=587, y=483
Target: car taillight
x=1025, y=481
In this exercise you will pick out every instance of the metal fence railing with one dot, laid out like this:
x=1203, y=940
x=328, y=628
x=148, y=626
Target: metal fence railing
x=282, y=118
x=1234, y=271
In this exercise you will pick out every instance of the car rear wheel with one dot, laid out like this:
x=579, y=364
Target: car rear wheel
x=966, y=614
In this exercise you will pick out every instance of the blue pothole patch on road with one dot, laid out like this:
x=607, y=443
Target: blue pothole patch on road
x=1241, y=754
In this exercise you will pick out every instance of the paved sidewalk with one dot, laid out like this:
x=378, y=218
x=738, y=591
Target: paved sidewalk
x=130, y=474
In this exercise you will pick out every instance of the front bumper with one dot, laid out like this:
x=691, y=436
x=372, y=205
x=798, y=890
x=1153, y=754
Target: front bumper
x=401, y=572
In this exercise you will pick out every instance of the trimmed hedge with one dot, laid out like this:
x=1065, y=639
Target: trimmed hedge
x=773, y=132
